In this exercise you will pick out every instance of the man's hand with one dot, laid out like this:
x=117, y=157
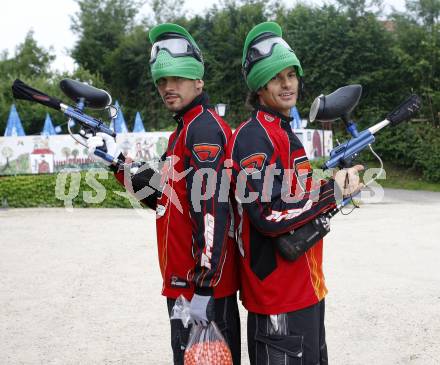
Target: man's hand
x=202, y=309
x=104, y=142
x=347, y=181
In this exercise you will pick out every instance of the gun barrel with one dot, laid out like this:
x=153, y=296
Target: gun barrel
x=109, y=158
x=406, y=110
x=22, y=91
x=377, y=127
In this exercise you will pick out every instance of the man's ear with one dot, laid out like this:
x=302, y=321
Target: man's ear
x=199, y=84
x=259, y=92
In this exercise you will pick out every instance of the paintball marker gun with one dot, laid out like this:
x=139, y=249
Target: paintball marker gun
x=85, y=96
x=340, y=104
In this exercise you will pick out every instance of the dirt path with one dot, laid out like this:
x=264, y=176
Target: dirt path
x=84, y=287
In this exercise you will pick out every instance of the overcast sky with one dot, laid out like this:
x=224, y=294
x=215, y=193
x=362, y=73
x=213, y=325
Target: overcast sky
x=50, y=20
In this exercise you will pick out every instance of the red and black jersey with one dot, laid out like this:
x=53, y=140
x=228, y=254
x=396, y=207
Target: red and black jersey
x=195, y=245
x=275, y=193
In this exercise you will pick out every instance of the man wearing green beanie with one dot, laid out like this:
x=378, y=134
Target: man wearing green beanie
x=271, y=180
x=196, y=247
x=196, y=253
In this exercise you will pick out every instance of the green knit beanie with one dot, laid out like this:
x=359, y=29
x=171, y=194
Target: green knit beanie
x=166, y=65
x=264, y=70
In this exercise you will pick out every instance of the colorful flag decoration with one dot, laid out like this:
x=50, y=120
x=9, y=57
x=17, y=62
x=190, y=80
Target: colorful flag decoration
x=138, y=124
x=13, y=125
x=48, y=128
x=118, y=124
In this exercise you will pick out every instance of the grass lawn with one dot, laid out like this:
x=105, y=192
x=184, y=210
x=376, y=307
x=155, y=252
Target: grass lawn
x=399, y=178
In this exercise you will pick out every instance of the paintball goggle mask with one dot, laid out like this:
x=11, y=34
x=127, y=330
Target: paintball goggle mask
x=176, y=45
x=260, y=48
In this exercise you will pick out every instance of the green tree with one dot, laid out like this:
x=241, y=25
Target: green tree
x=130, y=76
x=167, y=10
x=132, y=83
x=100, y=26
x=32, y=115
x=220, y=35
x=29, y=60
x=335, y=50
x=426, y=12
x=417, y=39
x=358, y=8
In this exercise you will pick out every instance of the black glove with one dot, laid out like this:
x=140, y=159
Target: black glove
x=146, y=177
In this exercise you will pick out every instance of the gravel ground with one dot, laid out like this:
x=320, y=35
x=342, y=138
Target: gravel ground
x=83, y=287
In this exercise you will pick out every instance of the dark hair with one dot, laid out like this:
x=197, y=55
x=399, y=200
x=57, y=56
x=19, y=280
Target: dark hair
x=252, y=100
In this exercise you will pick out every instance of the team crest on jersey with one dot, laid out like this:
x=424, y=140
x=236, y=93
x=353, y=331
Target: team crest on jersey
x=253, y=163
x=206, y=152
x=177, y=282
x=268, y=118
x=303, y=171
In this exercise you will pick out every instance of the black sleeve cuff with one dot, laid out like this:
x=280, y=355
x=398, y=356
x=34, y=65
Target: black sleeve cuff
x=334, y=188
x=208, y=292
x=115, y=168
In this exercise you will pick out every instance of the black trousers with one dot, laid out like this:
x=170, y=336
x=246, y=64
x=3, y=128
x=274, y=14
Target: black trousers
x=291, y=338
x=227, y=319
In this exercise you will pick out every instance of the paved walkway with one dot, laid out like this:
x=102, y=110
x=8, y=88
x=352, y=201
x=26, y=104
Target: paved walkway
x=84, y=287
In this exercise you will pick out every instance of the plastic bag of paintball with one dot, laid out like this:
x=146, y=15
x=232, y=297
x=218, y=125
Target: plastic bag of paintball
x=206, y=346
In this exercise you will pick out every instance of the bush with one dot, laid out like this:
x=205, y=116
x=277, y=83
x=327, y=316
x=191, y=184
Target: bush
x=97, y=188
x=412, y=145
x=428, y=153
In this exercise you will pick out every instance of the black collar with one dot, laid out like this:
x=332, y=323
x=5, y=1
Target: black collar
x=272, y=112
x=202, y=99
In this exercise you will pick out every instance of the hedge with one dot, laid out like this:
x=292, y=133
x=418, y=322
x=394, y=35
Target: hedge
x=93, y=188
